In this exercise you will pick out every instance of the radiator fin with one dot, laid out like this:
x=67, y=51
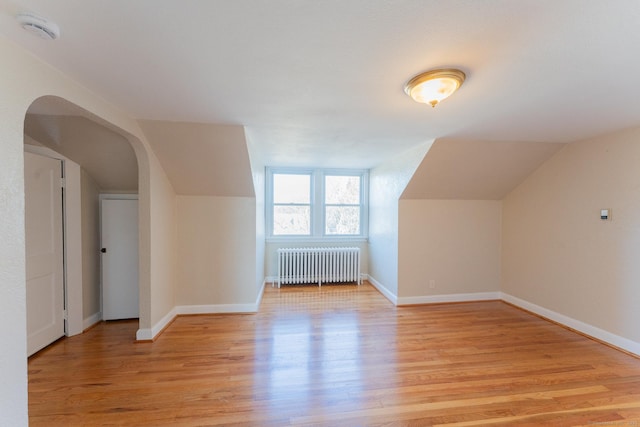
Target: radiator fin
x=318, y=265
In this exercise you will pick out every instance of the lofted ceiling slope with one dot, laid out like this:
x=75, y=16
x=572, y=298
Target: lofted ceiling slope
x=320, y=82
x=476, y=170
x=202, y=159
x=106, y=155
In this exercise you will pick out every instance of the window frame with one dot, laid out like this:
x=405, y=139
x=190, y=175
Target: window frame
x=317, y=204
x=271, y=204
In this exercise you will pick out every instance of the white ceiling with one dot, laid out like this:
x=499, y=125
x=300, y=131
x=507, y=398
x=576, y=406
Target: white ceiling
x=320, y=82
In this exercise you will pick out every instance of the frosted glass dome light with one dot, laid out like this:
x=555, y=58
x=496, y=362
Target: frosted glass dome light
x=433, y=86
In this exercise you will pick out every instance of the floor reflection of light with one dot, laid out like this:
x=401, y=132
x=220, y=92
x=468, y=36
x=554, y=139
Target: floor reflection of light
x=290, y=355
x=340, y=342
x=310, y=351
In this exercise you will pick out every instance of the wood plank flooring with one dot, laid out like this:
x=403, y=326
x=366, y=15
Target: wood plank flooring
x=337, y=356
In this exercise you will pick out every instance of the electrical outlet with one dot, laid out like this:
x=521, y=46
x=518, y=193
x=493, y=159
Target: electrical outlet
x=432, y=284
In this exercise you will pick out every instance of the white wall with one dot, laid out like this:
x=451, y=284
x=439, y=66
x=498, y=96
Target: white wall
x=13, y=354
x=559, y=255
x=454, y=243
x=90, y=195
x=386, y=184
x=216, y=250
x=258, y=175
x=23, y=78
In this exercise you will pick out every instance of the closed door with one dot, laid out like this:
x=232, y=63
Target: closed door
x=119, y=259
x=44, y=251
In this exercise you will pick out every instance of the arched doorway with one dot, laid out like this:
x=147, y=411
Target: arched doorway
x=98, y=158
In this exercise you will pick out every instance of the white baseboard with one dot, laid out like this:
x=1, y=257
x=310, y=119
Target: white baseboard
x=216, y=308
x=91, y=320
x=383, y=290
x=260, y=294
x=585, y=328
x=144, y=334
x=434, y=299
x=431, y=299
x=148, y=334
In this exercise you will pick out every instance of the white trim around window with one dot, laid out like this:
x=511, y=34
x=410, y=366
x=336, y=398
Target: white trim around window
x=317, y=230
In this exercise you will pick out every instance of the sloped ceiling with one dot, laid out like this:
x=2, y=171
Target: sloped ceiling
x=476, y=170
x=106, y=155
x=318, y=82
x=202, y=159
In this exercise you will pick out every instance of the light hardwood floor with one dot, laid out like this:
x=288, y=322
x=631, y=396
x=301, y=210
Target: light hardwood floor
x=337, y=356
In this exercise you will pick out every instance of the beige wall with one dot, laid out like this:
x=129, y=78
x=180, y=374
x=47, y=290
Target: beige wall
x=455, y=243
x=163, y=242
x=469, y=169
x=559, y=255
x=386, y=184
x=216, y=251
x=23, y=79
x=202, y=159
x=105, y=154
x=90, y=196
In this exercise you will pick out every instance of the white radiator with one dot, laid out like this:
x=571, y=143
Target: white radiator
x=318, y=265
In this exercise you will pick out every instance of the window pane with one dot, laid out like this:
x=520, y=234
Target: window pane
x=342, y=190
x=289, y=188
x=289, y=220
x=342, y=220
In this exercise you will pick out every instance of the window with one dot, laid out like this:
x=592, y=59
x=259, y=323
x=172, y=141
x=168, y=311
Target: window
x=341, y=205
x=291, y=204
x=316, y=203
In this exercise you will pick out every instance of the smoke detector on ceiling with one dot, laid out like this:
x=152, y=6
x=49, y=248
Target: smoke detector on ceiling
x=38, y=26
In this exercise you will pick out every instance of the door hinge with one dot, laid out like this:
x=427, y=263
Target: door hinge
x=63, y=183
x=65, y=314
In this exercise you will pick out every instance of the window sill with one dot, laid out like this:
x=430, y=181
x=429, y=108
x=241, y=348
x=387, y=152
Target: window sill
x=306, y=239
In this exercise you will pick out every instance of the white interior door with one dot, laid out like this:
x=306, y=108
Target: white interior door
x=119, y=258
x=44, y=251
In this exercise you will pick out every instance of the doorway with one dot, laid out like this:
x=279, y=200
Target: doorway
x=44, y=205
x=97, y=158
x=119, y=254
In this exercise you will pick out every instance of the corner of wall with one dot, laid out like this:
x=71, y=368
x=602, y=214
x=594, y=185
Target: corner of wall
x=386, y=184
x=559, y=259
x=258, y=172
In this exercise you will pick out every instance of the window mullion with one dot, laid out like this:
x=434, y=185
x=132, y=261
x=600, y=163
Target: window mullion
x=317, y=210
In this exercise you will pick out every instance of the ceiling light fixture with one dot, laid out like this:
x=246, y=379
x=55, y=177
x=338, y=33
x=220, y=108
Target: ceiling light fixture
x=38, y=26
x=433, y=86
